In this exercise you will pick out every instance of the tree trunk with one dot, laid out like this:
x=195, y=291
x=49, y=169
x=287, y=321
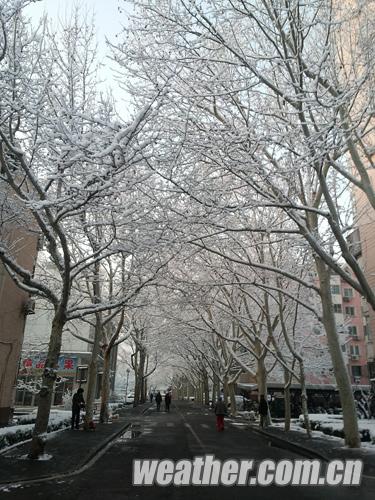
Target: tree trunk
x=136, y=377
x=104, y=414
x=305, y=410
x=141, y=374
x=261, y=376
x=92, y=376
x=45, y=395
x=287, y=415
x=215, y=389
x=352, y=438
x=145, y=389
x=218, y=389
x=226, y=390
x=262, y=384
x=206, y=389
x=233, y=404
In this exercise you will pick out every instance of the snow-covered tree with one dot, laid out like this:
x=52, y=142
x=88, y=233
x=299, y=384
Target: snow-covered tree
x=262, y=114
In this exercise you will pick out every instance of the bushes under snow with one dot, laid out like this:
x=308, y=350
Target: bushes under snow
x=23, y=430
x=333, y=425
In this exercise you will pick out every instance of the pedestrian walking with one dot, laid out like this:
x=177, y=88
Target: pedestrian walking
x=158, y=400
x=167, y=400
x=78, y=403
x=151, y=396
x=220, y=412
x=263, y=411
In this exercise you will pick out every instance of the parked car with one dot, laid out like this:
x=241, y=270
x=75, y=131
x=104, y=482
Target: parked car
x=130, y=398
x=241, y=402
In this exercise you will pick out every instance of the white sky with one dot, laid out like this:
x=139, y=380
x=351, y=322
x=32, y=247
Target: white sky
x=107, y=16
x=108, y=21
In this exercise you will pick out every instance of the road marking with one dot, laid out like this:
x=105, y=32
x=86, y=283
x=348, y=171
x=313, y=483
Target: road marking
x=195, y=435
x=205, y=426
x=170, y=424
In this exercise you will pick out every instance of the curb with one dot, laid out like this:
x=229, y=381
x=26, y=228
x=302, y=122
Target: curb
x=285, y=444
x=87, y=461
x=100, y=447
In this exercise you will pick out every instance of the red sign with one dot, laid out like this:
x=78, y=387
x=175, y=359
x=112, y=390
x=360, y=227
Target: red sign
x=68, y=364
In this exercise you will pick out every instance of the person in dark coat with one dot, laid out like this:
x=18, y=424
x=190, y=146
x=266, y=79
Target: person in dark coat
x=158, y=400
x=167, y=400
x=263, y=410
x=77, y=404
x=151, y=396
x=220, y=412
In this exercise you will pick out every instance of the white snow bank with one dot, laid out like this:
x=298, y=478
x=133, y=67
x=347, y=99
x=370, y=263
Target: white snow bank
x=14, y=434
x=334, y=424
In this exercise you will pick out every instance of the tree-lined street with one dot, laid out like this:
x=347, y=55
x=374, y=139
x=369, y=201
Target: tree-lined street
x=184, y=433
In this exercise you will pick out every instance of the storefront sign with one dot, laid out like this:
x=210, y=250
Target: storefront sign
x=66, y=363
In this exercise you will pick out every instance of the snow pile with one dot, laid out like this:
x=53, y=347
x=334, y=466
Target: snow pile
x=115, y=406
x=22, y=431
x=333, y=425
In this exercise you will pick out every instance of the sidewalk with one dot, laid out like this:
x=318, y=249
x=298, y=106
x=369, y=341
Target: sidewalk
x=322, y=448
x=70, y=450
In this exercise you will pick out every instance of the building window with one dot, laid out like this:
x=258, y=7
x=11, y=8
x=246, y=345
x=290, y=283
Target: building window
x=82, y=372
x=352, y=330
x=356, y=371
x=349, y=311
x=343, y=348
x=348, y=292
x=354, y=350
x=337, y=308
x=335, y=289
x=366, y=330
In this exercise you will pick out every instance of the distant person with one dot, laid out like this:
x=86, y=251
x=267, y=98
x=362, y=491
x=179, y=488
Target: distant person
x=263, y=411
x=220, y=412
x=77, y=404
x=371, y=405
x=158, y=400
x=151, y=396
x=167, y=400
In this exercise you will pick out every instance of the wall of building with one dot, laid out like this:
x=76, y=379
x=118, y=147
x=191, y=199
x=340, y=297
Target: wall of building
x=351, y=323
x=12, y=319
x=38, y=329
x=365, y=221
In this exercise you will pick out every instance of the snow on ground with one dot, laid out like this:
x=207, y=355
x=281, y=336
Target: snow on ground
x=7, y=488
x=41, y=458
x=13, y=434
x=335, y=422
x=332, y=423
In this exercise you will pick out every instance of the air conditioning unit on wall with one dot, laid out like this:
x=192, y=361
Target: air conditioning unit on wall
x=29, y=307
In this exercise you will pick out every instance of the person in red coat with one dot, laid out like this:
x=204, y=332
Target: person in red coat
x=220, y=412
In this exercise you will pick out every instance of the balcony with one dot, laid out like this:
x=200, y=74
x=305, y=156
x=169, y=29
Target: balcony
x=354, y=243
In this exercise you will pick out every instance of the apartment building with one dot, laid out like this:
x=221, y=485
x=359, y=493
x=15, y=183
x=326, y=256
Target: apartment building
x=362, y=244
x=347, y=305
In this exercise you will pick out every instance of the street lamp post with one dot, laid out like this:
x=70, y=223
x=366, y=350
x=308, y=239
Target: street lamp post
x=127, y=383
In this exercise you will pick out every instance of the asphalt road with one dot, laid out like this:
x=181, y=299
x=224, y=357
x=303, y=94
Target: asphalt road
x=185, y=432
